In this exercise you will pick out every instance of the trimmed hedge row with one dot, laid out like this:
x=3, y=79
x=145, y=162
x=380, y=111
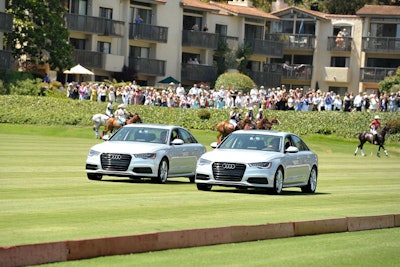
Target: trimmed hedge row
x=53, y=111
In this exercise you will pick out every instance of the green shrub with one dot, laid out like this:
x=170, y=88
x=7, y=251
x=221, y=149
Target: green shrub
x=236, y=80
x=31, y=87
x=394, y=126
x=204, y=114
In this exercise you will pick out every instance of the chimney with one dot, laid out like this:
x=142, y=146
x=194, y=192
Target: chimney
x=279, y=4
x=246, y=3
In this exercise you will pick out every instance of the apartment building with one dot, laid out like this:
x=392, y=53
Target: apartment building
x=6, y=22
x=148, y=40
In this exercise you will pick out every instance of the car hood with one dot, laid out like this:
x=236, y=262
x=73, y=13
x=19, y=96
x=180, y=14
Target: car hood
x=128, y=147
x=239, y=155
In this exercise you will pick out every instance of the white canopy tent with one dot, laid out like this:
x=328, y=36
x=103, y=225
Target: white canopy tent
x=78, y=70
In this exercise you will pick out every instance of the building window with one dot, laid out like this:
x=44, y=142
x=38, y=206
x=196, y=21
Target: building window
x=340, y=62
x=139, y=52
x=106, y=13
x=78, y=43
x=104, y=47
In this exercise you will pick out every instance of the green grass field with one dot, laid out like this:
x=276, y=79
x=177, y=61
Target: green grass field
x=45, y=196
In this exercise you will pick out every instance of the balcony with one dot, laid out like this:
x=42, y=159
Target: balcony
x=200, y=39
x=337, y=74
x=266, y=47
x=198, y=73
x=381, y=44
x=268, y=79
x=343, y=44
x=6, y=22
x=5, y=59
x=147, y=66
x=230, y=41
x=302, y=42
x=297, y=72
x=94, y=25
x=374, y=74
x=88, y=59
x=148, y=32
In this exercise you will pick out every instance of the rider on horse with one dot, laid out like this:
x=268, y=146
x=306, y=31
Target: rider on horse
x=259, y=115
x=234, y=117
x=374, y=126
x=109, y=109
x=121, y=114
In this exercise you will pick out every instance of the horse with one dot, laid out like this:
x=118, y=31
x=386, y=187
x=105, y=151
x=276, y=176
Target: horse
x=369, y=137
x=113, y=124
x=265, y=124
x=99, y=120
x=224, y=128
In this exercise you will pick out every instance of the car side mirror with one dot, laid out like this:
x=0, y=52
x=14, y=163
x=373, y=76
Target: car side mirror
x=106, y=137
x=214, y=144
x=177, y=141
x=292, y=149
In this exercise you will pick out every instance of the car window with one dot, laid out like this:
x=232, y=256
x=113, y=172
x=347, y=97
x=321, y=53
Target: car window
x=186, y=137
x=297, y=142
x=252, y=142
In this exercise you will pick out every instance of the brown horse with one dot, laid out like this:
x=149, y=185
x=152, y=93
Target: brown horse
x=224, y=128
x=113, y=124
x=265, y=124
x=369, y=137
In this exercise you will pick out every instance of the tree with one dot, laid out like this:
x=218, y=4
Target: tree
x=40, y=33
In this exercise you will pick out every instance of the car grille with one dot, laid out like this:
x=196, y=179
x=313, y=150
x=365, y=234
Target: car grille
x=115, y=162
x=224, y=171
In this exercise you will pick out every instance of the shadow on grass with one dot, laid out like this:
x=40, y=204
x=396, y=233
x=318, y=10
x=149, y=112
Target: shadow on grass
x=266, y=192
x=143, y=181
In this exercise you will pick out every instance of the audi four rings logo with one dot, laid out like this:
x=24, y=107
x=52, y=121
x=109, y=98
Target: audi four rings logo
x=116, y=156
x=228, y=166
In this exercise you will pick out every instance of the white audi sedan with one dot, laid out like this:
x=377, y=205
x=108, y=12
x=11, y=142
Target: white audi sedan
x=146, y=151
x=259, y=159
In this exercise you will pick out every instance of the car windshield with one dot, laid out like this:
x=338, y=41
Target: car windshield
x=142, y=134
x=253, y=142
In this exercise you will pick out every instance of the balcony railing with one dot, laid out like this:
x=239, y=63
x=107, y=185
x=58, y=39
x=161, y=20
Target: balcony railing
x=265, y=47
x=374, y=74
x=339, y=43
x=148, y=32
x=381, y=44
x=88, y=59
x=6, y=22
x=294, y=41
x=97, y=25
x=5, y=59
x=199, y=73
x=296, y=72
x=268, y=79
x=200, y=39
x=147, y=66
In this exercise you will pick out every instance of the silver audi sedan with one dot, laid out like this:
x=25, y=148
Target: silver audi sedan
x=146, y=151
x=259, y=159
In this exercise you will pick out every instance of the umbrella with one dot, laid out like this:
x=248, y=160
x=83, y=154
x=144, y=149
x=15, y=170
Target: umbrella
x=169, y=79
x=79, y=70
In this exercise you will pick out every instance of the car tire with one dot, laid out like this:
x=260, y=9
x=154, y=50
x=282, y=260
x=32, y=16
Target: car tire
x=163, y=171
x=94, y=176
x=312, y=182
x=278, y=181
x=204, y=187
x=191, y=178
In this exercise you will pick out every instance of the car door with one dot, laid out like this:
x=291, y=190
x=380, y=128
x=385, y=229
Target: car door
x=191, y=151
x=303, y=159
x=176, y=160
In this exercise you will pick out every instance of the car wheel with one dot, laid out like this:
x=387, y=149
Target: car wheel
x=191, y=179
x=278, y=181
x=204, y=187
x=94, y=176
x=163, y=171
x=312, y=182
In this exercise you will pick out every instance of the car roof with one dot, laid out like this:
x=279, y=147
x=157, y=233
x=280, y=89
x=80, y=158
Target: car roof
x=263, y=132
x=154, y=125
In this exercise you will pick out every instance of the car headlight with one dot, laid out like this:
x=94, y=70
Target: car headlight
x=145, y=155
x=93, y=153
x=202, y=162
x=261, y=165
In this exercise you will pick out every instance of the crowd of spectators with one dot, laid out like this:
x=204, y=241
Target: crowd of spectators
x=201, y=96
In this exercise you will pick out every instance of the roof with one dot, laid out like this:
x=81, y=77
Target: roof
x=379, y=10
x=243, y=11
x=286, y=10
x=197, y=4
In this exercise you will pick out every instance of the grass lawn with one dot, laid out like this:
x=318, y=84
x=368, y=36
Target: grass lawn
x=45, y=196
